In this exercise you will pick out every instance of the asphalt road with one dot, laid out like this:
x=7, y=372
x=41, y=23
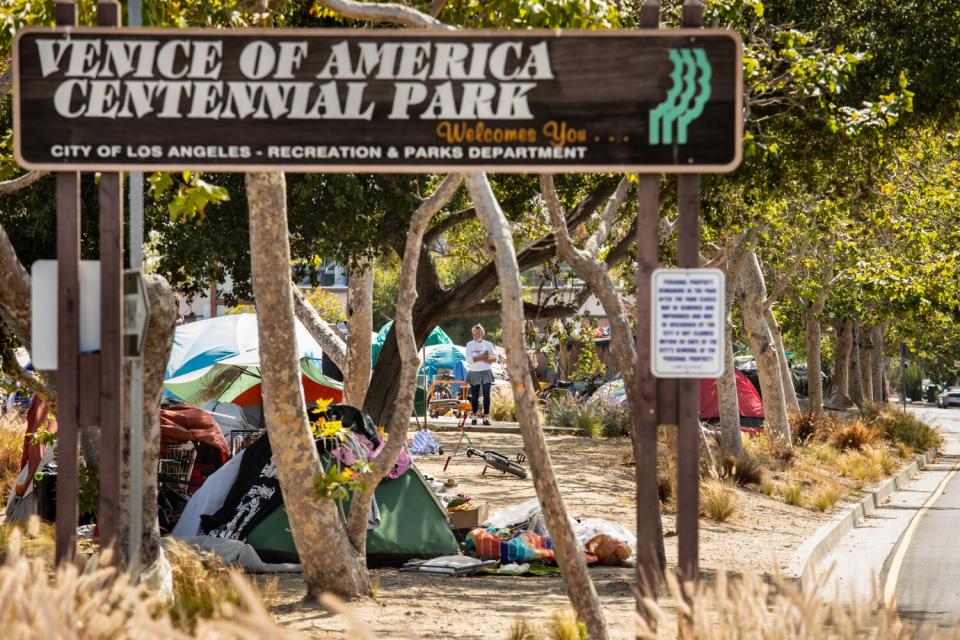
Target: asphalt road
x=928, y=585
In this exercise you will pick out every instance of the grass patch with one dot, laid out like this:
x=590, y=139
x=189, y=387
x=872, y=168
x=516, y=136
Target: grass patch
x=792, y=493
x=718, y=500
x=560, y=626
x=825, y=497
x=33, y=539
x=854, y=435
x=12, y=428
x=904, y=427
x=741, y=471
x=504, y=410
x=203, y=586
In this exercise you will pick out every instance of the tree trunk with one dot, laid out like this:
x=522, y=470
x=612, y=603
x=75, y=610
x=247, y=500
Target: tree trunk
x=330, y=563
x=573, y=568
x=360, y=326
x=789, y=391
x=156, y=352
x=752, y=298
x=841, y=357
x=731, y=441
x=876, y=362
x=813, y=336
x=595, y=273
x=855, y=380
x=328, y=340
x=866, y=372
x=399, y=420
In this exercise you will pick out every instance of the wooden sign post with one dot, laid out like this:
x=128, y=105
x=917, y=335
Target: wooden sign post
x=89, y=385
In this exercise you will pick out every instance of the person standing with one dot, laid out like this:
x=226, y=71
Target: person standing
x=480, y=356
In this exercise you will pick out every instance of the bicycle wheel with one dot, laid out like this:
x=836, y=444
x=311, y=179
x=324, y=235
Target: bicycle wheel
x=501, y=463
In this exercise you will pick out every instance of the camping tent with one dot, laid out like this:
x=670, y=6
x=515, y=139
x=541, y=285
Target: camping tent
x=244, y=497
x=751, y=406
x=219, y=359
x=437, y=336
x=412, y=525
x=237, y=379
x=198, y=345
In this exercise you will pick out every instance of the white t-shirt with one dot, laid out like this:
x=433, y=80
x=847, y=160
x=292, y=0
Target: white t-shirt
x=477, y=348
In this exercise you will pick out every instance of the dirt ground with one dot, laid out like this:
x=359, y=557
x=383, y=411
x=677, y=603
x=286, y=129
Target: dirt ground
x=595, y=483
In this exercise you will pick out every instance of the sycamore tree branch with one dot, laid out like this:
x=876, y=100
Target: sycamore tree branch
x=14, y=290
x=448, y=223
x=30, y=380
x=387, y=12
x=784, y=281
x=20, y=182
x=530, y=310
x=332, y=344
x=399, y=420
x=609, y=215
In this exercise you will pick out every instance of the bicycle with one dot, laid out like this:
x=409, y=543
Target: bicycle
x=498, y=461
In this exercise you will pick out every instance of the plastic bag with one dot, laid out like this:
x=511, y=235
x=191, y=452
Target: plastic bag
x=516, y=514
x=589, y=528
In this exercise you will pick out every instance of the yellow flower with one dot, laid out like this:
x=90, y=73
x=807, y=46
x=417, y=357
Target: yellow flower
x=330, y=429
x=323, y=405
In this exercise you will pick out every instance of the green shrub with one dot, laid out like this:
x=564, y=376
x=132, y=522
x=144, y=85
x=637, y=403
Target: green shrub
x=588, y=421
x=504, y=409
x=616, y=419
x=903, y=426
x=560, y=410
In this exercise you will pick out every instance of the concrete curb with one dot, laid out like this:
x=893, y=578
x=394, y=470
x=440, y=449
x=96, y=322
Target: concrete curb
x=812, y=552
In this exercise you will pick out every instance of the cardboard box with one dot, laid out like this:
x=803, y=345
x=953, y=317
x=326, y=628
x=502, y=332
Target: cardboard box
x=469, y=519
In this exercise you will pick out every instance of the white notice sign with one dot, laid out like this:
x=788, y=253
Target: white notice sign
x=686, y=331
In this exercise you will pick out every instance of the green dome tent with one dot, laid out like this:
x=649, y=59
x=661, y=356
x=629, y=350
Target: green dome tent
x=412, y=525
x=437, y=336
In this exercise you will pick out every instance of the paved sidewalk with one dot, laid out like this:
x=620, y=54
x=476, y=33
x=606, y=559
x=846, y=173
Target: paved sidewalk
x=861, y=559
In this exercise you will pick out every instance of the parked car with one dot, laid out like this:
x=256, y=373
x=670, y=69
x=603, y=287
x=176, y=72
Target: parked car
x=949, y=398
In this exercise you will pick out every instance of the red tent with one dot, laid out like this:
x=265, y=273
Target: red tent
x=751, y=406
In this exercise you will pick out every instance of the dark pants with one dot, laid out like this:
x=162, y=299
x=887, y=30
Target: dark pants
x=475, y=397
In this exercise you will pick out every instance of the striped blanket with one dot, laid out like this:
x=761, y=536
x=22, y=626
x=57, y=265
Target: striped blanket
x=526, y=546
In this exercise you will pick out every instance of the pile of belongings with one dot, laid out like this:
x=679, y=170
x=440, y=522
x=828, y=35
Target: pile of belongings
x=518, y=534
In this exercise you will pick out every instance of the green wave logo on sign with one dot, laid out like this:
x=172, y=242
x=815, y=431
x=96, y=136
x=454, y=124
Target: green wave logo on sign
x=686, y=98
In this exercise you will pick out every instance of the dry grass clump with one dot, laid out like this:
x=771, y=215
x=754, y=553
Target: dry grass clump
x=12, y=428
x=504, y=409
x=854, y=435
x=868, y=466
x=560, y=626
x=825, y=497
x=750, y=606
x=718, y=500
x=34, y=539
x=741, y=470
x=792, y=493
x=203, y=586
x=100, y=604
x=904, y=427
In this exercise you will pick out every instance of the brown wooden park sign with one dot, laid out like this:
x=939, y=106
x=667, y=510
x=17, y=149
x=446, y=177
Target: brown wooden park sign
x=111, y=99
x=378, y=100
